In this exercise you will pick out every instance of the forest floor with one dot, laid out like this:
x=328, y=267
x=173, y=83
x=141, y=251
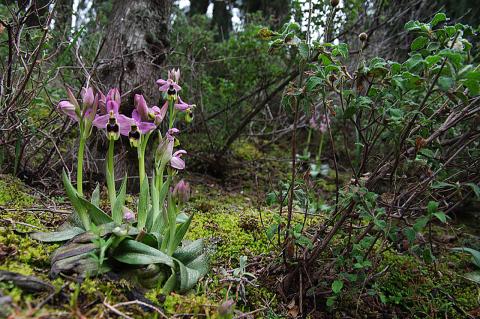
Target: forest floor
x=235, y=228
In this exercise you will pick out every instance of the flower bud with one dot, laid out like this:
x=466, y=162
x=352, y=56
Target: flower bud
x=66, y=107
x=128, y=215
x=181, y=191
x=102, y=102
x=164, y=150
x=88, y=98
x=141, y=106
x=114, y=95
x=363, y=36
x=334, y=3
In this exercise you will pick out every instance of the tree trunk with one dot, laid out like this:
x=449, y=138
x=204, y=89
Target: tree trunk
x=63, y=18
x=131, y=57
x=278, y=11
x=222, y=20
x=198, y=7
x=135, y=47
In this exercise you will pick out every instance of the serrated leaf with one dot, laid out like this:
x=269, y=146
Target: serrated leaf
x=420, y=223
x=313, y=82
x=50, y=237
x=136, y=253
x=432, y=207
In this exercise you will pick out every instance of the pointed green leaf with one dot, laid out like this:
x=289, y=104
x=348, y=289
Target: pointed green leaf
x=475, y=254
x=180, y=232
x=95, y=200
x=192, y=272
x=170, y=283
x=190, y=251
x=49, y=237
x=75, y=200
x=142, y=204
x=136, y=253
x=117, y=213
x=155, y=210
x=97, y=215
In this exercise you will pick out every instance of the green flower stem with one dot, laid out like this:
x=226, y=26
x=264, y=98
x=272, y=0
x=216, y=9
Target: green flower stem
x=172, y=113
x=309, y=137
x=111, y=174
x=320, y=146
x=141, y=157
x=80, y=157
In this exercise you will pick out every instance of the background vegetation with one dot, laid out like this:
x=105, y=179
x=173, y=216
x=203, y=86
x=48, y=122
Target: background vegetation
x=334, y=151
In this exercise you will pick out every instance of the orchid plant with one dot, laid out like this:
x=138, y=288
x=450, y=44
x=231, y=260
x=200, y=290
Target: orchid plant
x=147, y=244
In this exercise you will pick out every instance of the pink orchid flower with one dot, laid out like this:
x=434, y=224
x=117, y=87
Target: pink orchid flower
x=182, y=106
x=176, y=161
x=113, y=121
x=170, y=85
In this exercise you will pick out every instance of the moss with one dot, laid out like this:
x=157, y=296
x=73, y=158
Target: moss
x=231, y=230
x=191, y=305
x=246, y=150
x=27, y=251
x=13, y=194
x=424, y=290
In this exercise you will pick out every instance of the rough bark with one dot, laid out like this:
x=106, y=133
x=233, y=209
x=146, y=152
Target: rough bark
x=134, y=49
